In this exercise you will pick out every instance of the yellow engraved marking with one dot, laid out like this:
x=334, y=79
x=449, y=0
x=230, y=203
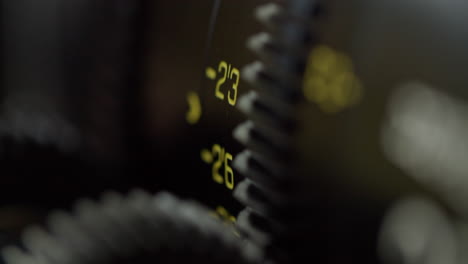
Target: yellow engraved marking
x=222, y=67
x=227, y=218
x=226, y=75
x=221, y=170
x=217, y=151
x=195, y=110
x=232, y=100
x=225, y=215
x=330, y=81
x=210, y=73
x=206, y=156
x=228, y=172
x=222, y=212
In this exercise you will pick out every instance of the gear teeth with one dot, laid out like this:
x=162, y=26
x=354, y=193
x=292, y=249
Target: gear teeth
x=273, y=236
x=17, y=256
x=259, y=109
x=120, y=228
x=262, y=201
x=272, y=15
x=86, y=213
x=262, y=230
x=244, y=223
x=252, y=169
x=274, y=191
x=43, y=129
x=254, y=74
x=41, y=243
x=255, y=138
x=111, y=204
x=265, y=46
x=262, y=42
x=62, y=227
x=276, y=137
x=257, y=163
x=257, y=75
x=271, y=50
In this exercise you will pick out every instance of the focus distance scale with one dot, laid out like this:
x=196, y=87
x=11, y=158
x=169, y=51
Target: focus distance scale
x=324, y=131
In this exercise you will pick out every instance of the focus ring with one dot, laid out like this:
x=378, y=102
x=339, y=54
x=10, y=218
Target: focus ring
x=134, y=229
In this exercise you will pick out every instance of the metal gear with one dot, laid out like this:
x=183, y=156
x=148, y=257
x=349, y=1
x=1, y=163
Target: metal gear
x=134, y=229
x=63, y=94
x=274, y=192
x=55, y=85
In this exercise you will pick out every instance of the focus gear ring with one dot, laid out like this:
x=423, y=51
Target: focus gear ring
x=132, y=229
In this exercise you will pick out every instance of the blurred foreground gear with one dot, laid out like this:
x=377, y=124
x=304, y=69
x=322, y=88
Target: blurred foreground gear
x=417, y=230
x=139, y=228
x=67, y=66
